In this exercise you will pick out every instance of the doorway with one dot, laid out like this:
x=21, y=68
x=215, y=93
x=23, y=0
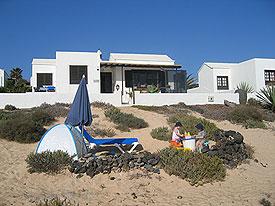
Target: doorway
x=106, y=82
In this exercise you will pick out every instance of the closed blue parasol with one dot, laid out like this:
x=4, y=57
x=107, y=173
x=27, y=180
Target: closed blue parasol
x=80, y=113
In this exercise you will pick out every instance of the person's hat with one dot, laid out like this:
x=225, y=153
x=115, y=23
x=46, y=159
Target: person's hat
x=178, y=124
x=200, y=126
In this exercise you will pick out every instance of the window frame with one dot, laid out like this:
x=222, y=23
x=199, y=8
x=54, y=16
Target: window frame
x=223, y=86
x=79, y=74
x=268, y=76
x=44, y=78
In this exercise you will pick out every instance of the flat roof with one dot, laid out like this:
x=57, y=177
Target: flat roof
x=109, y=63
x=140, y=57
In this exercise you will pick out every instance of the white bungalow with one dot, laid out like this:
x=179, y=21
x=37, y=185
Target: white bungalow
x=121, y=74
x=224, y=77
x=3, y=77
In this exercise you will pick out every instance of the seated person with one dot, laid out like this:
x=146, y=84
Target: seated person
x=200, y=137
x=177, y=136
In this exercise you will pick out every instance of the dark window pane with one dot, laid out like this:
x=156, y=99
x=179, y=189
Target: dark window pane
x=44, y=79
x=222, y=83
x=76, y=73
x=128, y=78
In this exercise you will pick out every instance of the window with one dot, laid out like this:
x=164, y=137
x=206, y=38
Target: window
x=142, y=78
x=76, y=73
x=44, y=79
x=269, y=77
x=222, y=83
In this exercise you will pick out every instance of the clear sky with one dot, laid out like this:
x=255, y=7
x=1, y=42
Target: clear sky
x=189, y=31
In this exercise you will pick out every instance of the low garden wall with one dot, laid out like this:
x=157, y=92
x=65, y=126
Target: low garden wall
x=159, y=99
x=32, y=99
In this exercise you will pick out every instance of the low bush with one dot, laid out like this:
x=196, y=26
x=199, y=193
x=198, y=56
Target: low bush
x=23, y=126
x=124, y=119
x=55, y=110
x=197, y=168
x=189, y=122
x=254, y=102
x=48, y=162
x=161, y=133
x=109, y=132
x=248, y=116
x=102, y=105
x=10, y=107
x=56, y=202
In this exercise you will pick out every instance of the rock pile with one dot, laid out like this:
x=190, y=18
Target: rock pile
x=93, y=165
x=230, y=148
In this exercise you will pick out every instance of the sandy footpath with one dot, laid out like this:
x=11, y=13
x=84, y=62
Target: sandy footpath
x=245, y=185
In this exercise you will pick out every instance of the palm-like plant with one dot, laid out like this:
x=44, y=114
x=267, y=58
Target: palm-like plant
x=191, y=82
x=267, y=97
x=245, y=87
x=16, y=73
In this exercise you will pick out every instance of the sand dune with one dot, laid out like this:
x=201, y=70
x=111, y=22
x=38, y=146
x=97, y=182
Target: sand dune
x=245, y=185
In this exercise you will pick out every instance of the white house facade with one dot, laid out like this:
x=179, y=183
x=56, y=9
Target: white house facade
x=224, y=77
x=3, y=77
x=123, y=74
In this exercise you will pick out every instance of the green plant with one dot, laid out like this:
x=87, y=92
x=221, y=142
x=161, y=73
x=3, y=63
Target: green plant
x=109, y=132
x=48, y=162
x=245, y=87
x=102, y=105
x=10, y=107
x=267, y=97
x=191, y=82
x=152, y=89
x=121, y=118
x=189, y=122
x=55, y=110
x=197, y=168
x=23, y=125
x=248, y=116
x=161, y=133
x=254, y=102
x=56, y=202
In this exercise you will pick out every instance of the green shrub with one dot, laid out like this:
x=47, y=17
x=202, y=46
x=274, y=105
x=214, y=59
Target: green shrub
x=267, y=97
x=189, y=122
x=23, y=126
x=48, y=162
x=56, y=202
x=254, y=102
x=102, y=105
x=161, y=133
x=55, y=110
x=152, y=89
x=124, y=119
x=197, y=168
x=10, y=107
x=42, y=117
x=248, y=116
x=109, y=132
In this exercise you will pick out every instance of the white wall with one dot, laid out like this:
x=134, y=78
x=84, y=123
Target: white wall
x=261, y=65
x=43, y=68
x=28, y=100
x=205, y=79
x=33, y=99
x=63, y=62
x=158, y=99
x=250, y=71
x=2, y=78
x=222, y=72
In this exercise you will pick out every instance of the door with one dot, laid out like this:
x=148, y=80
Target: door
x=106, y=82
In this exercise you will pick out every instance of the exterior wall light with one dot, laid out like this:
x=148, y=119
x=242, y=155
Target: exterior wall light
x=117, y=87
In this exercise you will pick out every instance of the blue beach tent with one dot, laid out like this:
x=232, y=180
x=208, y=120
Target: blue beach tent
x=65, y=138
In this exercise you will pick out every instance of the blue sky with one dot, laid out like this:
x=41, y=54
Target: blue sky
x=190, y=31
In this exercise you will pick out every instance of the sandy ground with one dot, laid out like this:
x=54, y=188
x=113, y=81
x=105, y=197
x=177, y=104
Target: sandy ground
x=245, y=185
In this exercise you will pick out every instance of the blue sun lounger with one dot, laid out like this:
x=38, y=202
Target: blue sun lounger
x=110, y=141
